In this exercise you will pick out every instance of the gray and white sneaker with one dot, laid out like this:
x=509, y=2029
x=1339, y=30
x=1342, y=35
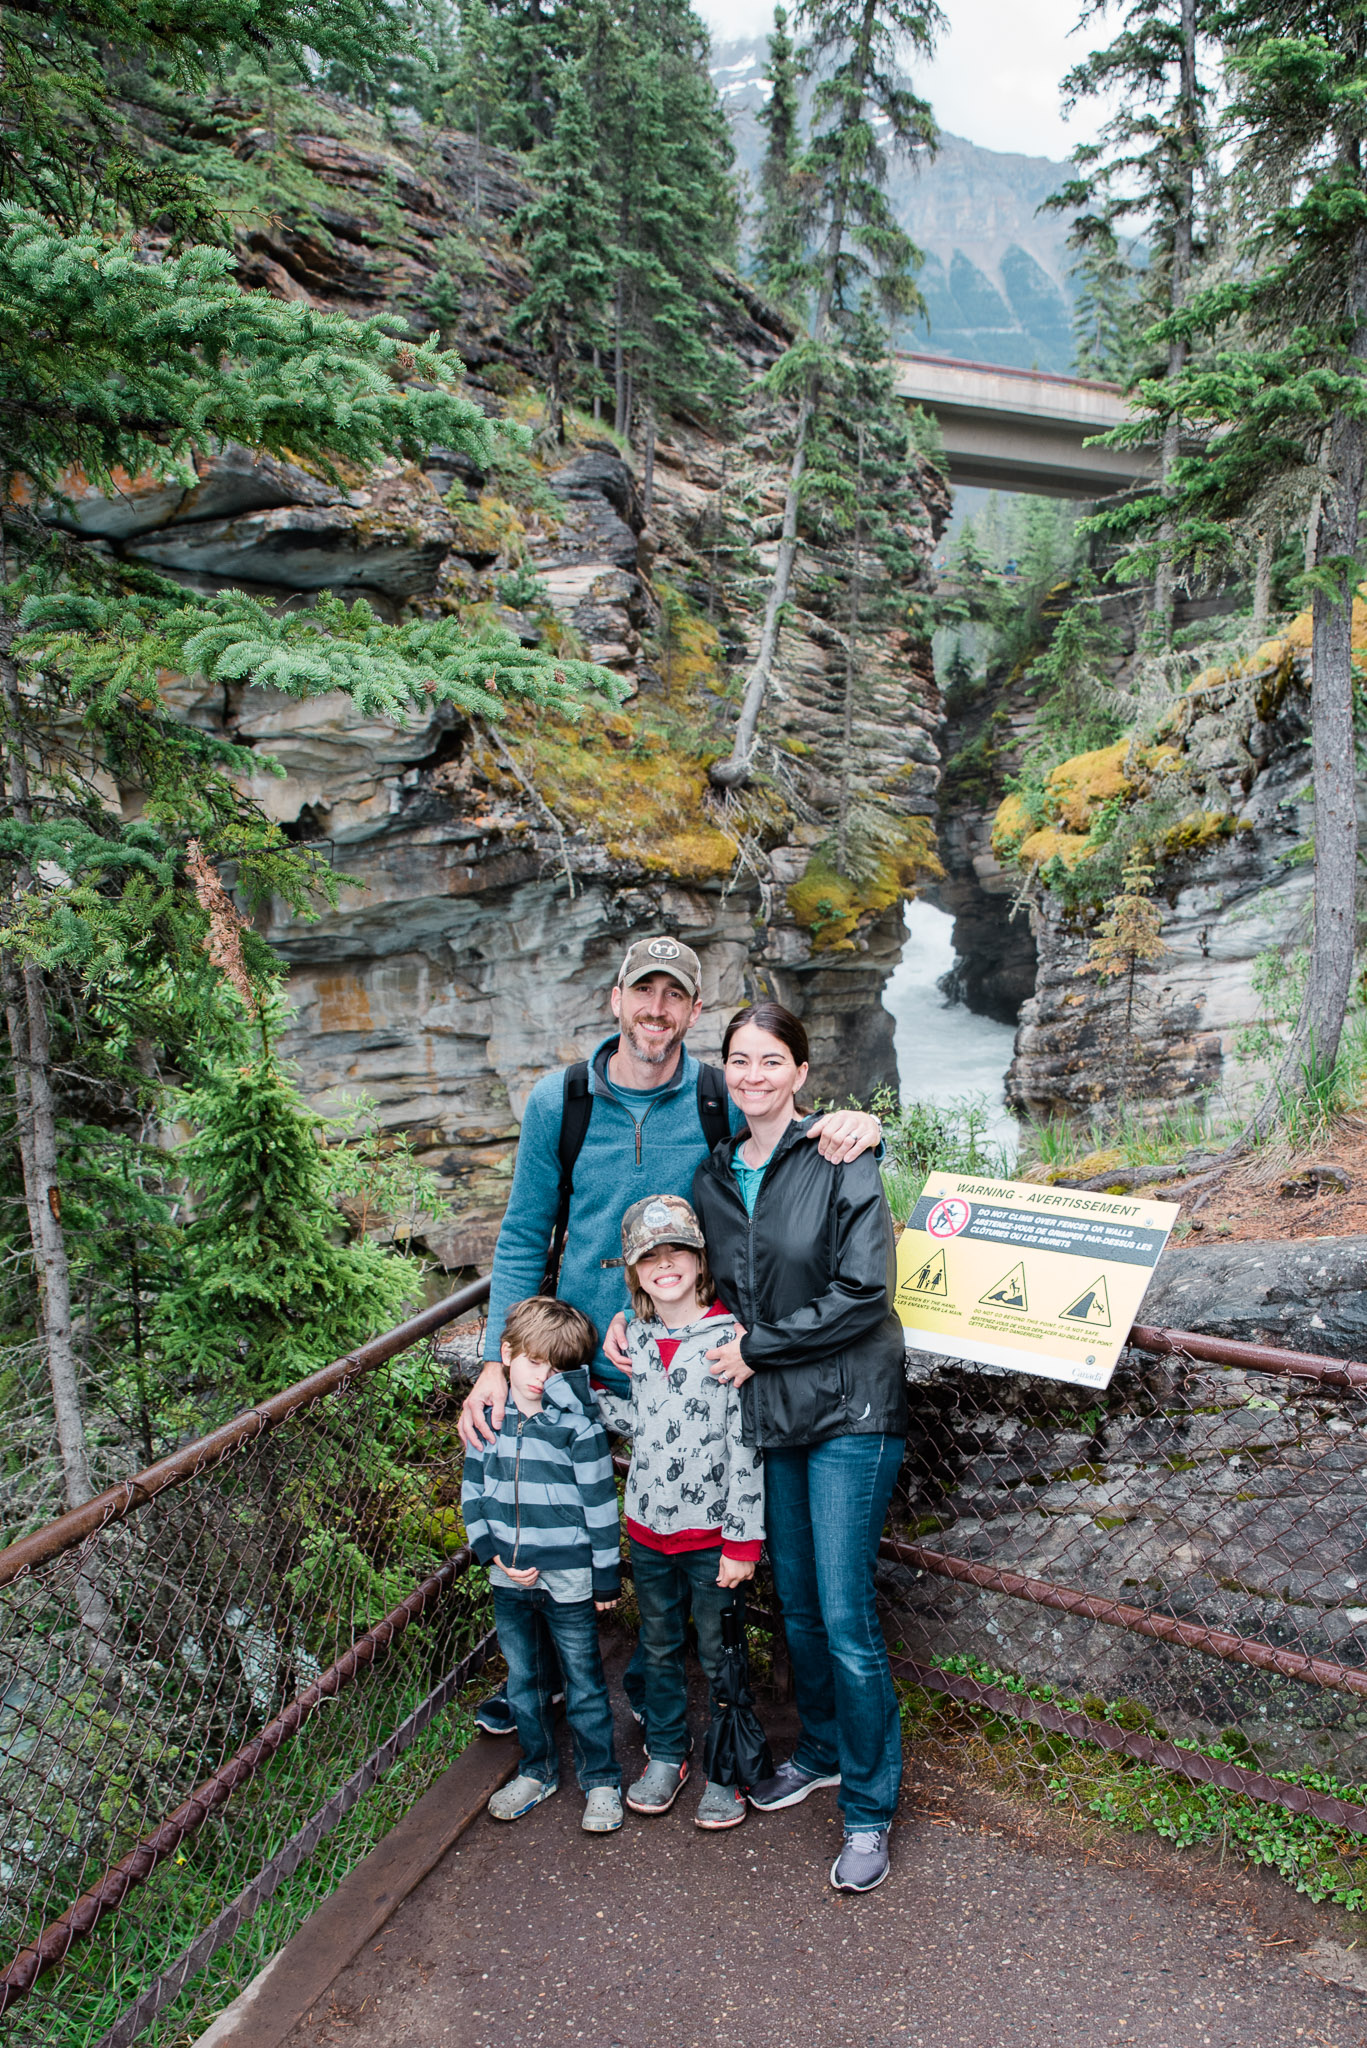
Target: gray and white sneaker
x=789, y=1786
x=658, y=1786
x=602, y=1811
x=511, y=1801
x=863, y=1863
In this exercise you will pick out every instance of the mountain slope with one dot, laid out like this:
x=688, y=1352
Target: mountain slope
x=996, y=276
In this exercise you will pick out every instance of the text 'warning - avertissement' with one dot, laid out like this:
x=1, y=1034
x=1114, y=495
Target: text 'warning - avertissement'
x=1039, y=1279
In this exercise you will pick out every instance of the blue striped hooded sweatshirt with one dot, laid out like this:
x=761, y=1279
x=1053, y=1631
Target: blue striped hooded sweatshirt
x=543, y=1493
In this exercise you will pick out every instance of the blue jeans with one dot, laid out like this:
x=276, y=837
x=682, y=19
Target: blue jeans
x=668, y=1584
x=533, y=1630
x=824, y=1507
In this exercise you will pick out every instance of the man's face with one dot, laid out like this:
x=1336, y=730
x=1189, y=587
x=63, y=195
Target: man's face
x=654, y=1015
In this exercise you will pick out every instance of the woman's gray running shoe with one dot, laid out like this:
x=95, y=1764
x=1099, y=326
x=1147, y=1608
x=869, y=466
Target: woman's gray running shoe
x=657, y=1788
x=721, y=1806
x=863, y=1863
x=602, y=1811
x=789, y=1786
x=510, y=1802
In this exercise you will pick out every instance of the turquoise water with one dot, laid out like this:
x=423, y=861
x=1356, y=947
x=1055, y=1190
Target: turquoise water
x=943, y=1050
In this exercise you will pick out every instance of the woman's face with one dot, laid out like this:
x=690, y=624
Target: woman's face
x=762, y=1074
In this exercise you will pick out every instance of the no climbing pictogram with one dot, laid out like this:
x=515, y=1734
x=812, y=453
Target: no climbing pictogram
x=948, y=1217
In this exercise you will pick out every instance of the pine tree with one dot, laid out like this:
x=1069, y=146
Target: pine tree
x=565, y=232
x=780, y=250
x=120, y=355
x=1147, y=168
x=855, y=54
x=1283, y=397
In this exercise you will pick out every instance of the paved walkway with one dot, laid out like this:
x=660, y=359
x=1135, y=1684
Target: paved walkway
x=998, y=1929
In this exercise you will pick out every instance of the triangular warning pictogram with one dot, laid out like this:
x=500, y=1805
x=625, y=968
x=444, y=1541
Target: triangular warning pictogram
x=929, y=1278
x=1093, y=1305
x=1009, y=1291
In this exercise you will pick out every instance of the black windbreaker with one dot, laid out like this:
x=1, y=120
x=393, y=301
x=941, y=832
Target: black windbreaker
x=811, y=1276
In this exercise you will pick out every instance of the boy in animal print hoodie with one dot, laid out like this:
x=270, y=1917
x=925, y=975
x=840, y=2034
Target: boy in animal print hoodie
x=695, y=1492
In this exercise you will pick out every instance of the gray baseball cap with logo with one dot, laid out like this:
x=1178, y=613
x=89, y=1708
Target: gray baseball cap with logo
x=662, y=956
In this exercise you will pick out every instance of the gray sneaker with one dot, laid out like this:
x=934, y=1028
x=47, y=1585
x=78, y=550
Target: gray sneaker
x=510, y=1802
x=789, y=1785
x=658, y=1787
x=863, y=1863
x=721, y=1806
x=602, y=1811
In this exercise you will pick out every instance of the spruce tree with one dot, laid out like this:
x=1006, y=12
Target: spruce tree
x=121, y=355
x=565, y=232
x=1282, y=398
x=780, y=249
x=1147, y=169
x=861, y=96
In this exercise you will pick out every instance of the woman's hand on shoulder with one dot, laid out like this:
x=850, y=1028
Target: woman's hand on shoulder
x=845, y=1134
x=724, y=1361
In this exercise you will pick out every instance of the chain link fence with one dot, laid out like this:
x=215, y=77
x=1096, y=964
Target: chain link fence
x=202, y=1674
x=1148, y=1605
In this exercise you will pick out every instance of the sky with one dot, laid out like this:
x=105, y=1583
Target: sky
x=995, y=76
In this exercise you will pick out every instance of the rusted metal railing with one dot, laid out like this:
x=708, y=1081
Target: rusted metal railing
x=201, y=1614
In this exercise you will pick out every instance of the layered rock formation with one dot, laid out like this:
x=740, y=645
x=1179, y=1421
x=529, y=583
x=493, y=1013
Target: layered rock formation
x=494, y=879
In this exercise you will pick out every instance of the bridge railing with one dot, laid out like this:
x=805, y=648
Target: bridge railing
x=204, y=1670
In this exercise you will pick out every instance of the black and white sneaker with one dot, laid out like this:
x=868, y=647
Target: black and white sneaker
x=789, y=1786
x=495, y=1716
x=864, y=1862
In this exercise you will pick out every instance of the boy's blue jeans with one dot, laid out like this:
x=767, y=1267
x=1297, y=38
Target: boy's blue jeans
x=529, y=1624
x=668, y=1585
x=824, y=1511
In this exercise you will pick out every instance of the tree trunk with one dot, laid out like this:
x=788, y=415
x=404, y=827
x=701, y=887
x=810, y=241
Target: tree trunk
x=1183, y=241
x=648, y=473
x=30, y=1047
x=1312, y=1049
x=729, y=774
x=1262, y=580
x=619, y=364
x=842, y=830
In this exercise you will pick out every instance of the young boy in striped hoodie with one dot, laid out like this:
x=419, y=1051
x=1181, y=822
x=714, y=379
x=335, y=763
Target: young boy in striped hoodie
x=540, y=1510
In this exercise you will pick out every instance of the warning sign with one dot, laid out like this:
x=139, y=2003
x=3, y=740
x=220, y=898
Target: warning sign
x=930, y=1277
x=1010, y=1292
x=1092, y=1305
x=1063, y=1299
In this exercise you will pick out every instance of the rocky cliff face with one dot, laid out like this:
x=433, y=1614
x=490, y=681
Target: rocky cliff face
x=1226, y=783
x=494, y=879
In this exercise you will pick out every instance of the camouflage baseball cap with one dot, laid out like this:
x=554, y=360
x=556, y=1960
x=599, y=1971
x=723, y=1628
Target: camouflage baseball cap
x=662, y=956
x=659, y=1219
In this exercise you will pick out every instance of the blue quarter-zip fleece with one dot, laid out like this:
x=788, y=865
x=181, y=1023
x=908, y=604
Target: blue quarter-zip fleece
x=650, y=1148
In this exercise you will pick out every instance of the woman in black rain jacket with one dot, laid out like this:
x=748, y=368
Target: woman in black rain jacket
x=801, y=1249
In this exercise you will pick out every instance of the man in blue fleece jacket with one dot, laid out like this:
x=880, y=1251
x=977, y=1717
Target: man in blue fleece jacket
x=644, y=1138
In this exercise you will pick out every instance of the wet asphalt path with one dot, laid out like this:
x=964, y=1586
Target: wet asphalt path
x=998, y=1928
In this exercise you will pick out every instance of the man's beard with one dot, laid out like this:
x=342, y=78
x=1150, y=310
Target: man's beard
x=651, y=1055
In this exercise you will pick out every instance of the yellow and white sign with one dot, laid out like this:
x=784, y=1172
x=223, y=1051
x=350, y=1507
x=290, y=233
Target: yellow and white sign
x=1040, y=1279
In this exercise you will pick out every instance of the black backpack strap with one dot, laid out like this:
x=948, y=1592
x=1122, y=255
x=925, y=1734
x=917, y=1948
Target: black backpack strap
x=576, y=1109
x=713, y=1112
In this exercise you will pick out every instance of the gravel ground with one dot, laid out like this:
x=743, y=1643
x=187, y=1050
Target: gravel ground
x=999, y=1927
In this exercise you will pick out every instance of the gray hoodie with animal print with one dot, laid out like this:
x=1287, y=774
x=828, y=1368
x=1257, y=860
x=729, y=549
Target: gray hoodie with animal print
x=693, y=1483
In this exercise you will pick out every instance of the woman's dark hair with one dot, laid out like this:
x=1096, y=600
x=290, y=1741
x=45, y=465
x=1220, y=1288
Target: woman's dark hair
x=778, y=1022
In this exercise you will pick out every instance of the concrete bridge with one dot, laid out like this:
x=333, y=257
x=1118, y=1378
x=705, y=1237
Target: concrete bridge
x=1024, y=430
